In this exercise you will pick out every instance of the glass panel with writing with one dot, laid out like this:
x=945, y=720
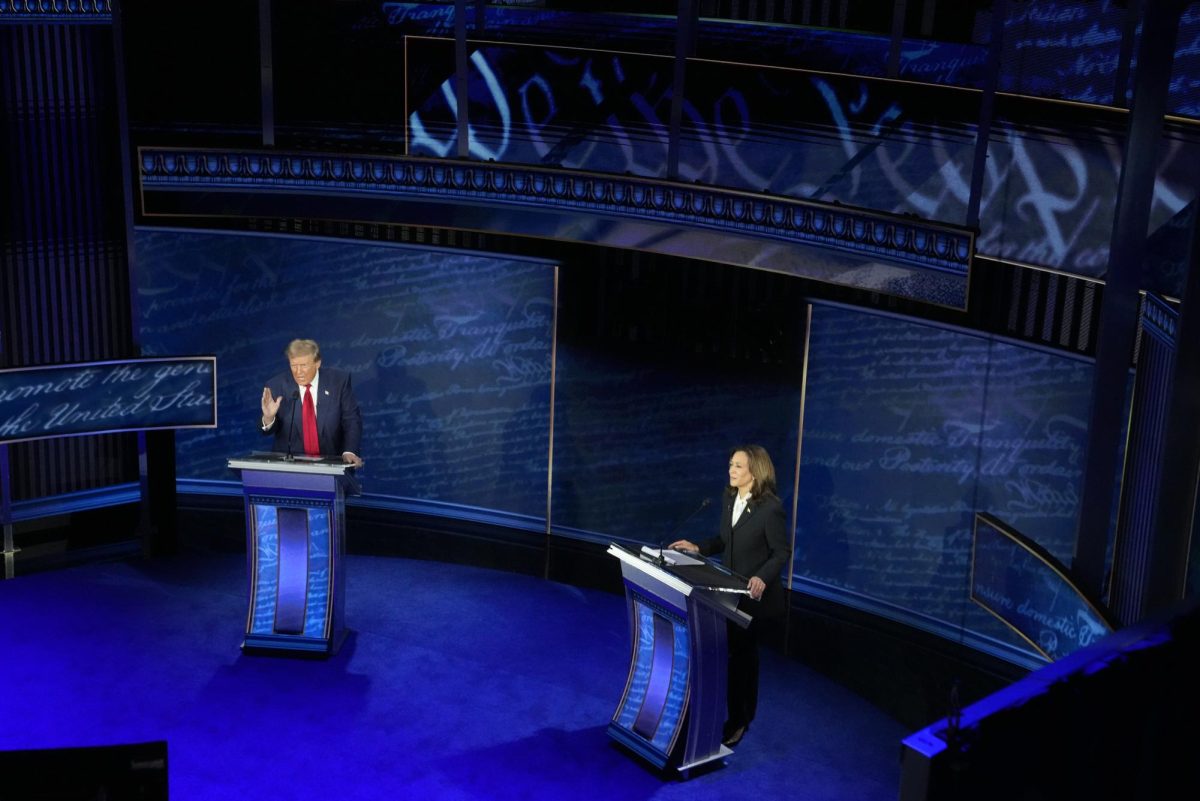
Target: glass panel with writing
x=449, y=352
x=590, y=110
x=909, y=429
x=1030, y=591
x=874, y=144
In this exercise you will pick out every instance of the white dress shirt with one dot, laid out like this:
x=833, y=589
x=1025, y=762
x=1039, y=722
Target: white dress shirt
x=316, y=380
x=739, y=506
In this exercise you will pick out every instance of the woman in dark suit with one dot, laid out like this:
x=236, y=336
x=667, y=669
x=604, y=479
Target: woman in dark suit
x=754, y=543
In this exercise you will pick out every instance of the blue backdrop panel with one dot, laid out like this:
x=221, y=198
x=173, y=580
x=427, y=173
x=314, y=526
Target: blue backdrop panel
x=451, y=353
x=640, y=443
x=1071, y=49
x=1032, y=446
x=909, y=429
x=1184, y=97
x=1062, y=48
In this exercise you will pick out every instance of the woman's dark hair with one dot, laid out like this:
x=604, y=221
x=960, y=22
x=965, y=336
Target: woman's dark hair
x=759, y=462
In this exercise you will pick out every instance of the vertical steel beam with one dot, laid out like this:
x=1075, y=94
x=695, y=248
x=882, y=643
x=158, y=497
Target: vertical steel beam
x=987, y=110
x=685, y=47
x=1118, y=314
x=130, y=172
x=460, y=77
x=1133, y=13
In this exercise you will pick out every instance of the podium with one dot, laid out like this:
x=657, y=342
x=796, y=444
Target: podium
x=673, y=707
x=295, y=550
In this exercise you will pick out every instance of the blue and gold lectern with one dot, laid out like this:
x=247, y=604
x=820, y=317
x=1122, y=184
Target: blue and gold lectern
x=673, y=707
x=295, y=547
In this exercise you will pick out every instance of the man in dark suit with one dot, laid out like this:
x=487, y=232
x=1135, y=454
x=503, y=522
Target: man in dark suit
x=753, y=540
x=311, y=410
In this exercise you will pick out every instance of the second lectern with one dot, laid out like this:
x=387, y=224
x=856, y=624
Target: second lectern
x=295, y=546
x=673, y=707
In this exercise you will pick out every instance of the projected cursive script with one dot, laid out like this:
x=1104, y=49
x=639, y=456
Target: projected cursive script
x=132, y=395
x=449, y=353
x=909, y=429
x=1031, y=593
x=825, y=137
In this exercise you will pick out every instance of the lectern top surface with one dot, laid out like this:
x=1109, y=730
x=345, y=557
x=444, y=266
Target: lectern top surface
x=708, y=575
x=276, y=456
x=259, y=460
x=698, y=571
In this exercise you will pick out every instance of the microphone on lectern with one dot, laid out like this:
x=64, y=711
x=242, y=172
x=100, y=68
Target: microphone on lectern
x=292, y=426
x=671, y=537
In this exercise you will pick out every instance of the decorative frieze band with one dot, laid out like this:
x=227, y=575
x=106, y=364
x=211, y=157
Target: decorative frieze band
x=28, y=11
x=909, y=240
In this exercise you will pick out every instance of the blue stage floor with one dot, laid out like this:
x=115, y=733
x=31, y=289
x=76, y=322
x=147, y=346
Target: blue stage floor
x=456, y=683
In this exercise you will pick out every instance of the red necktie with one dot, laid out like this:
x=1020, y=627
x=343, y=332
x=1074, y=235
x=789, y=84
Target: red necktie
x=308, y=423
